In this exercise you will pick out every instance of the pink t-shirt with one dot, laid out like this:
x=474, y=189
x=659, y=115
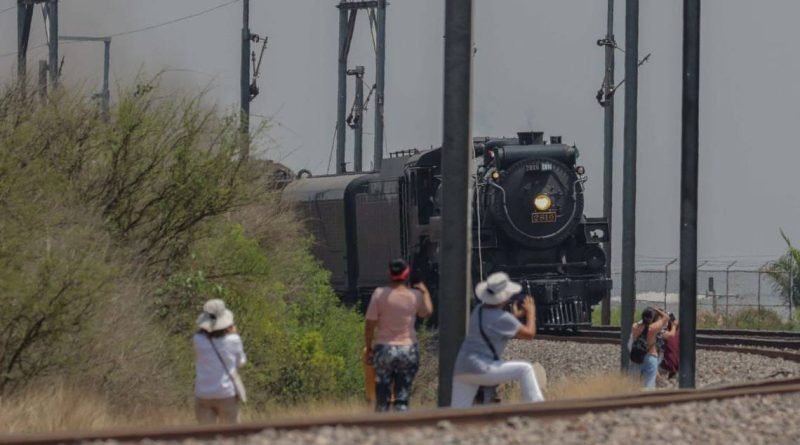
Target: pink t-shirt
x=396, y=311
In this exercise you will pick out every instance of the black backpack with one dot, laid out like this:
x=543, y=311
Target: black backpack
x=639, y=347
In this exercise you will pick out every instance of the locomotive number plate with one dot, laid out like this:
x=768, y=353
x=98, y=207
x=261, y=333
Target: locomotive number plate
x=543, y=217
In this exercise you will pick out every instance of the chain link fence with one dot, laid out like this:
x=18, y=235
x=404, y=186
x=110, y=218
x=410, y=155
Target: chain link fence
x=721, y=289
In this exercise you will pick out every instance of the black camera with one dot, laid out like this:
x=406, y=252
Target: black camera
x=516, y=302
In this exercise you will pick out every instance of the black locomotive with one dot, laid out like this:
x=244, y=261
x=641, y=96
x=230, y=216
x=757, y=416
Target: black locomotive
x=527, y=221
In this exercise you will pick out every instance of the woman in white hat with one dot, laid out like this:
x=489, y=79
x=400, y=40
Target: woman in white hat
x=479, y=360
x=219, y=355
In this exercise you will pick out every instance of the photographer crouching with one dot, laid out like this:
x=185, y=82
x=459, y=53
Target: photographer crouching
x=490, y=328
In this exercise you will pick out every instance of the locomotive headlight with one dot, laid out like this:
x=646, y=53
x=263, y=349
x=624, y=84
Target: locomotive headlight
x=542, y=203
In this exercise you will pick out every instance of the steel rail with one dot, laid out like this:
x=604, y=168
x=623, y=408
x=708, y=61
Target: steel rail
x=702, y=341
x=728, y=332
x=735, y=346
x=763, y=339
x=422, y=418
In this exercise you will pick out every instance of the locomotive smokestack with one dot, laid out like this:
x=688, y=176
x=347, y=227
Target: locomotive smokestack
x=531, y=137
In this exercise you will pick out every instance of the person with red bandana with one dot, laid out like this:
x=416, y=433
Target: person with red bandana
x=390, y=338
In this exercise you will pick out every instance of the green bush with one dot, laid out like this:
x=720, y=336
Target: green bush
x=616, y=316
x=300, y=348
x=754, y=318
x=115, y=233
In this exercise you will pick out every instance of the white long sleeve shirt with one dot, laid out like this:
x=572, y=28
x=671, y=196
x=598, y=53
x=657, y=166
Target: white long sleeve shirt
x=212, y=380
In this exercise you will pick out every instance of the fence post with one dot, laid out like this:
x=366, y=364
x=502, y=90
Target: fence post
x=713, y=293
x=666, y=276
x=760, y=271
x=727, y=287
x=759, y=290
x=791, y=285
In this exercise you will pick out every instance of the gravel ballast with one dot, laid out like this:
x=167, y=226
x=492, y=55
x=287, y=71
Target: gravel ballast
x=752, y=420
x=563, y=360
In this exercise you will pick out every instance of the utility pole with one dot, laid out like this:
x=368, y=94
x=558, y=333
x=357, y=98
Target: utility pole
x=689, y=179
x=24, y=20
x=356, y=119
x=608, y=142
x=51, y=10
x=457, y=153
x=344, y=49
x=629, y=176
x=43, y=73
x=244, y=81
x=380, y=65
x=348, y=11
x=105, y=93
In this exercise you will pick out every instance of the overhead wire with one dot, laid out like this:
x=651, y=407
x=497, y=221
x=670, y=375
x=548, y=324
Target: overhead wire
x=150, y=27
x=173, y=21
x=3, y=11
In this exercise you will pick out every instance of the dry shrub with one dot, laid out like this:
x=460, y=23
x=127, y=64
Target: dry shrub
x=62, y=407
x=599, y=385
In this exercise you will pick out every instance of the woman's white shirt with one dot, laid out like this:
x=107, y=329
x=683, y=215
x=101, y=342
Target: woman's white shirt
x=212, y=380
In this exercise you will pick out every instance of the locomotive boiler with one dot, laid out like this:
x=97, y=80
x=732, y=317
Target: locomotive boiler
x=527, y=220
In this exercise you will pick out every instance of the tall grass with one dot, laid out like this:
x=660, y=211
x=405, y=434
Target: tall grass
x=747, y=318
x=66, y=407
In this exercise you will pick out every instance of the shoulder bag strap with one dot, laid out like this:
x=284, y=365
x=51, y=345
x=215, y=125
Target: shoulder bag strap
x=224, y=366
x=644, y=333
x=483, y=333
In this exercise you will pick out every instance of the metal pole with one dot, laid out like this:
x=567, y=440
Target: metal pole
x=666, y=276
x=727, y=287
x=791, y=284
x=359, y=116
x=341, y=138
x=457, y=153
x=106, y=73
x=244, y=80
x=43, y=71
x=23, y=33
x=689, y=175
x=380, y=64
x=608, y=162
x=52, y=15
x=758, y=292
x=629, y=176
x=713, y=292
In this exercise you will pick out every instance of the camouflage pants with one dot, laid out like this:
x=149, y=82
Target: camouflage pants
x=395, y=368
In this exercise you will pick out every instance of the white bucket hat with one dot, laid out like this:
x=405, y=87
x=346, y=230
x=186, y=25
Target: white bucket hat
x=215, y=316
x=497, y=289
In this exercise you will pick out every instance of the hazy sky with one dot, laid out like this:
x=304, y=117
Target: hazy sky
x=537, y=67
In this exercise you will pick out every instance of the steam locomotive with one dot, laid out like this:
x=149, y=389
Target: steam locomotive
x=527, y=220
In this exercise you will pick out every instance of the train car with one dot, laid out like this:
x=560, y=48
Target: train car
x=528, y=221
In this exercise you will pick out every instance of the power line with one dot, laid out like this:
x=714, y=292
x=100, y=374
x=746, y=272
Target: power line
x=170, y=22
x=146, y=28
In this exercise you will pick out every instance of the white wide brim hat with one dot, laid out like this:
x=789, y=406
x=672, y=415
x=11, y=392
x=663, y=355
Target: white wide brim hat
x=215, y=316
x=497, y=289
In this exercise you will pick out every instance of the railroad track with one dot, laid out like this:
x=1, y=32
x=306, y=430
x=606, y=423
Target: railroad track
x=705, y=337
x=431, y=417
x=725, y=341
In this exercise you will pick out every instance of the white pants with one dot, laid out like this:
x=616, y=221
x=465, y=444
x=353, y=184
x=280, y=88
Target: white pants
x=209, y=411
x=465, y=386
